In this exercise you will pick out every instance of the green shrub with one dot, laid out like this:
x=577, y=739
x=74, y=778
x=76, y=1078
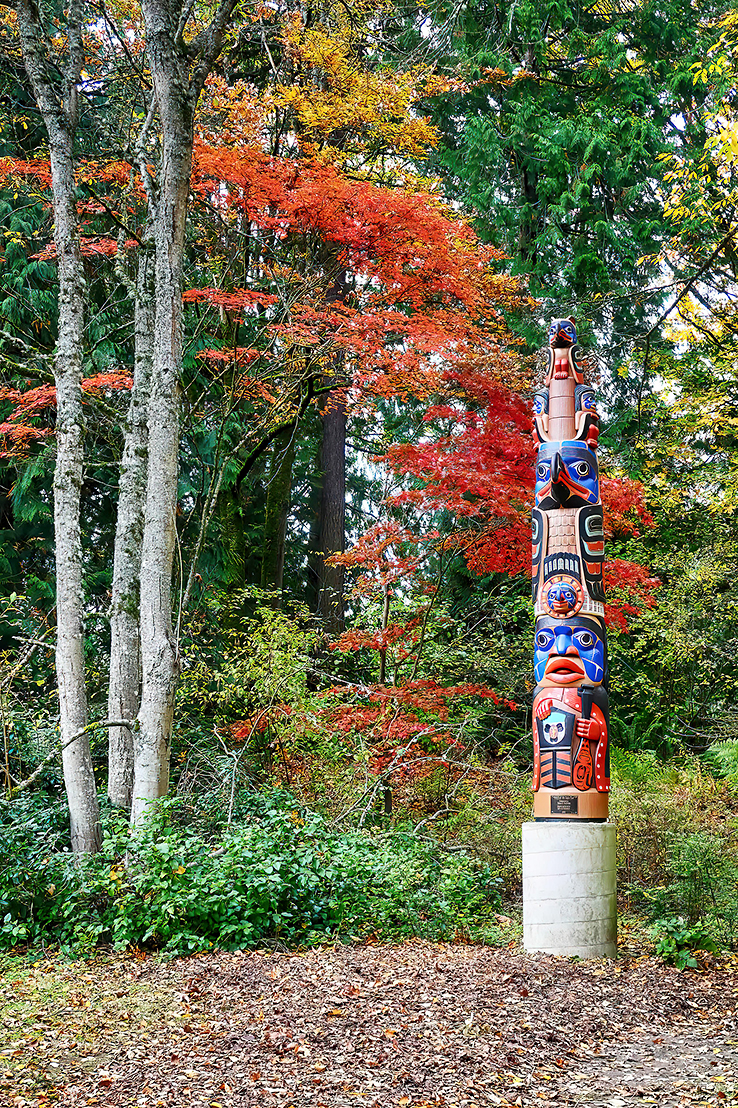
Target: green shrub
x=701, y=885
x=677, y=855
x=676, y=942
x=279, y=875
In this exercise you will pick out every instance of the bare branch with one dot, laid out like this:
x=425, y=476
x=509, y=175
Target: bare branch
x=132, y=724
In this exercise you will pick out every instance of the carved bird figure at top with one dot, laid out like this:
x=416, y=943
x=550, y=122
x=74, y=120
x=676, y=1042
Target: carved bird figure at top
x=563, y=352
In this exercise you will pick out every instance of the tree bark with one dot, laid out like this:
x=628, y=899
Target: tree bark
x=58, y=106
x=178, y=72
x=332, y=515
x=125, y=652
x=332, y=525
x=277, y=509
x=169, y=71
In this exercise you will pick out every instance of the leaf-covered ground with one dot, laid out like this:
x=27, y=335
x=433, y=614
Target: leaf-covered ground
x=412, y=1025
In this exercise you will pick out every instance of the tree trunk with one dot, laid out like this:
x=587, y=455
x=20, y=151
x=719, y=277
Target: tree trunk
x=530, y=223
x=332, y=529
x=178, y=72
x=277, y=508
x=59, y=111
x=158, y=646
x=332, y=515
x=125, y=653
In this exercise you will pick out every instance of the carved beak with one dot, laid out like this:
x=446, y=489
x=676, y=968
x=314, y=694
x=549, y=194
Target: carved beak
x=563, y=487
x=558, y=487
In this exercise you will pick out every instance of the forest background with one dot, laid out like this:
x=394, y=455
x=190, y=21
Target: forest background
x=275, y=281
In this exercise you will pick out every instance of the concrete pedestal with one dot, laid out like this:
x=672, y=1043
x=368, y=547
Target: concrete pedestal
x=569, y=889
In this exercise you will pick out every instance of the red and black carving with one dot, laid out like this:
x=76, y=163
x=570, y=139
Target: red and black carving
x=591, y=537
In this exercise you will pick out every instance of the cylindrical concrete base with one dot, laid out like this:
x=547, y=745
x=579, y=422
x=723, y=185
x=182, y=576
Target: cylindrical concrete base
x=569, y=889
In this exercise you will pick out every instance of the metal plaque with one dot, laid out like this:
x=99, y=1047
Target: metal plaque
x=566, y=805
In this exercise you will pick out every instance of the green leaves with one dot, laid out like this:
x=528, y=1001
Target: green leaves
x=281, y=874
x=676, y=942
x=556, y=143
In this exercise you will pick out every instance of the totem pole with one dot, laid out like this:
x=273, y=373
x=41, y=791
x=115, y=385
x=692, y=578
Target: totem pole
x=569, y=904
x=571, y=767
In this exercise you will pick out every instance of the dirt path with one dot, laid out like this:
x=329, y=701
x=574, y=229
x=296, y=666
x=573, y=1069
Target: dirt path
x=414, y=1026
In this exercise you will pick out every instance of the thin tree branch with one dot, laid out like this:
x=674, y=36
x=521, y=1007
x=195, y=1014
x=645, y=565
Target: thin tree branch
x=130, y=723
x=667, y=311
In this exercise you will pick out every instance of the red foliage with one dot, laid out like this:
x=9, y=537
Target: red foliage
x=259, y=723
x=380, y=639
x=632, y=582
x=424, y=299
x=98, y=247
x=91, y=172
x=18, y=436
x=102, y=381
x=407, y=240
x=37, y=168
x=625, y=506
x=235, y=301
x=18, y=439
x=404, y=724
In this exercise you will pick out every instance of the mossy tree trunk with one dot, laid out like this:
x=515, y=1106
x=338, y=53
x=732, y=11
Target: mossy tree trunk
x=279, y=492
x=54, y=80
x=125, y=652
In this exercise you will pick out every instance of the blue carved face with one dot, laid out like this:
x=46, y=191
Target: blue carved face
x=566, y=476
x=562, y=598
x=570, y=653
x=562, y=332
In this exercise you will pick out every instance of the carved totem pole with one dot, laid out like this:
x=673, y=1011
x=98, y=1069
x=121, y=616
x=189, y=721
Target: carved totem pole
x=571, y=767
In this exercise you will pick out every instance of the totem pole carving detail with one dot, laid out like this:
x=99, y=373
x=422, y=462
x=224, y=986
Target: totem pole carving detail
x=571, y=764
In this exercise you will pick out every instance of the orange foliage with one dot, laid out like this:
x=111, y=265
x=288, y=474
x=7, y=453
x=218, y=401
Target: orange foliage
x=18, y=436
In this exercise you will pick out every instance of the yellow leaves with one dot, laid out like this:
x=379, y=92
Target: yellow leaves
x=726, y=143
x=338, y=103
x=8, y=22
x=236, y=112
x=360, y=109
x=337, y=100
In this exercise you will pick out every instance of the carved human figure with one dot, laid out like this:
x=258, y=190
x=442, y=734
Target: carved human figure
x=570, y=739
x=557, y=404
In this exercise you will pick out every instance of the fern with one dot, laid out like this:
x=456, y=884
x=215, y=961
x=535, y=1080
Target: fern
x=722, y=758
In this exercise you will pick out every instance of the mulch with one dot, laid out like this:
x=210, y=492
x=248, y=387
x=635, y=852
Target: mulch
x=422, y=1025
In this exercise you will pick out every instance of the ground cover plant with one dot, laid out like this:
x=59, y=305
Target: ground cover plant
x=278, y=875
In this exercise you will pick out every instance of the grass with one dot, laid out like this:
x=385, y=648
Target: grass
x=61, y=1019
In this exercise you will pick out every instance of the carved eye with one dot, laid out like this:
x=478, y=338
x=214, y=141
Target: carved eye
x=542, y=471
x=585, y=639
x=582, y=469
x=543, y=639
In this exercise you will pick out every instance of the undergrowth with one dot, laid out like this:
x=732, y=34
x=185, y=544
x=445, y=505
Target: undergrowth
x=237, y=867
x=677, y=848
x=280, y=875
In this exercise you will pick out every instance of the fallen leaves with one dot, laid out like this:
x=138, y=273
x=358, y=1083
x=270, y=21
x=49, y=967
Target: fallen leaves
x=415, y=1026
